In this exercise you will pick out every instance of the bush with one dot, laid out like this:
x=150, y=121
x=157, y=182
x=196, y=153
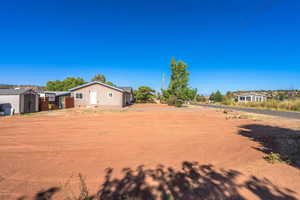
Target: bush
x=178, y=103
x=273, y=158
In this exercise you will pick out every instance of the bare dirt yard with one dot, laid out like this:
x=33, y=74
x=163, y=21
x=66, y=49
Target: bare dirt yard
x=144, y=151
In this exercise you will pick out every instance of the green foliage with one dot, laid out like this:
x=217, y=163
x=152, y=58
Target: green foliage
x=192, y=94
x=216, y=97
x=64, y=85
x=178, y=86
x=144, y=94
x=179, y=79
x=110, y=83
x=273, y=158
x=99, y=77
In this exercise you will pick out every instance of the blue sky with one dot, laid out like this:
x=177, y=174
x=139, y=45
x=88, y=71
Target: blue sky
x=228, y=44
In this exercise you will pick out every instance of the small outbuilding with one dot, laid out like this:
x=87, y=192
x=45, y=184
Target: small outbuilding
x=251, y=97
x=18, y=100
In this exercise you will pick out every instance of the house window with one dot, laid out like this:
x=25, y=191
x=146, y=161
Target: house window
x=79, y=95
x=242, y=98
x=110, y=94
x=248, y=98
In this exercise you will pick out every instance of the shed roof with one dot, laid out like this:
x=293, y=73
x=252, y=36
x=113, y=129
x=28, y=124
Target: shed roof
x=57, y=93
x=127, y=89
x=12, y=91
x=100, y=83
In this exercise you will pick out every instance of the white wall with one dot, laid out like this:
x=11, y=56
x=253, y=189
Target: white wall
x=13, y=100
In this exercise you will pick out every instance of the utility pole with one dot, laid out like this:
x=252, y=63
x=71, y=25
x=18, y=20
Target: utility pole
x=163, y=81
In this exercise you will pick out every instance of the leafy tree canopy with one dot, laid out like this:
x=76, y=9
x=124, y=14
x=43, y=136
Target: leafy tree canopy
x=144, y=94
x=99, y=77
x=216, y=97
x=64, y=85
x=102, y=78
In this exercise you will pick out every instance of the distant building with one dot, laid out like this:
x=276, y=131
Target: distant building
x=251, y=97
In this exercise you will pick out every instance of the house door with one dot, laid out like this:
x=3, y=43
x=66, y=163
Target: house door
x=93, y=98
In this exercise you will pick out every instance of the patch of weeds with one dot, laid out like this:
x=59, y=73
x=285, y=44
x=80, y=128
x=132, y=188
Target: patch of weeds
x=273, y=158
x=83, y=190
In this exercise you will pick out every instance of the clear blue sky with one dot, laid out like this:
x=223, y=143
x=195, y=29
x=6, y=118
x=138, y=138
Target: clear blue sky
x=228, y=44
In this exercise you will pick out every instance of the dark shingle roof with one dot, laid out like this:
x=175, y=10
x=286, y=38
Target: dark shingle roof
x=127, y=89
x=13, y=91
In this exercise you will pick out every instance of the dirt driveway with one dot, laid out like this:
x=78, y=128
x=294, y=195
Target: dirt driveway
x=42, y=151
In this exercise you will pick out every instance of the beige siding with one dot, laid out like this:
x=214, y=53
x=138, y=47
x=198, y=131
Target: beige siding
x=102, y=93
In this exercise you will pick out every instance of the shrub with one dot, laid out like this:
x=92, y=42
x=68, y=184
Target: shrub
x=178, y=103
x=273, y=158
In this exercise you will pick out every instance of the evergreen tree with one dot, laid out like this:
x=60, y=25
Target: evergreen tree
x=144, y=94
x=179, y=90
x=218, y=97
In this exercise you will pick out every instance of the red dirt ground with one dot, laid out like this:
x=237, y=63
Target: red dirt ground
x=43, y=150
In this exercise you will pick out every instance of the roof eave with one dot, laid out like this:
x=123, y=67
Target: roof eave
x=96, y=82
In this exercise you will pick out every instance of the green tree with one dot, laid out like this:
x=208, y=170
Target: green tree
x=144, y=94
x=179, y=80
x=192, y=94
x=72, y=82
x=64, y=85
x=54, y=86
x=218, y=97
x=99, y=77
x=179, y=90
x=110, y=83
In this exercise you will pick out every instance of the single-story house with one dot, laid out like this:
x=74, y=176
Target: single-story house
x=251, y=97
x=100, y=94
x=18, y=100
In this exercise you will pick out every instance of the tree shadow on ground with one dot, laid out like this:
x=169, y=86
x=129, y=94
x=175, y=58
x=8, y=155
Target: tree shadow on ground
x=43, y=194
x=192, y=182
x=283, y=141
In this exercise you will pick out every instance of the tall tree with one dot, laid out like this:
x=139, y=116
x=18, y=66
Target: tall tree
x=179, y=79
x=99, y=77
x=179, y=89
